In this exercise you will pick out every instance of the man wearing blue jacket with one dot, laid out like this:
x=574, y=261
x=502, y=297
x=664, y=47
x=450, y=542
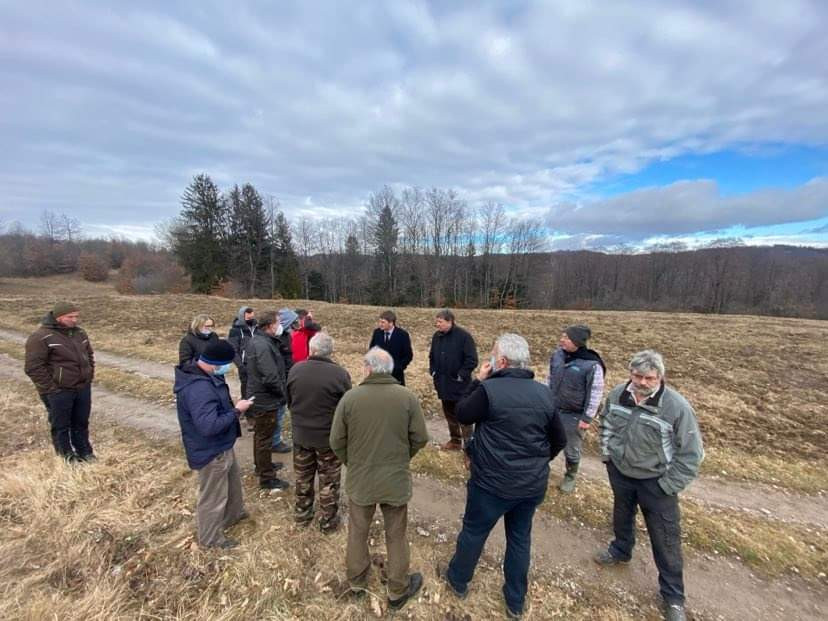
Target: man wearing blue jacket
x=209, y=428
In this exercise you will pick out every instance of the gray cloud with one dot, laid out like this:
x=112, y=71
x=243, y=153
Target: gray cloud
x=689, y=207
x=108, y=112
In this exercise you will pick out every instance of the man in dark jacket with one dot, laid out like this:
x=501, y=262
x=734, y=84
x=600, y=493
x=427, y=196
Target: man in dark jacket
x=287, y=318
x=242, y=330
x=576, y=378
x=209, y=428
x=60, y=362
x=266, y=384
x=451, y=360
x=395, y=341
x=314, y=389
x=517, y=433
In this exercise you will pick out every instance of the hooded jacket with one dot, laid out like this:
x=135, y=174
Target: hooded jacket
x=239, y=335
x=266, y=375
x=59, y=358
x=209, y=424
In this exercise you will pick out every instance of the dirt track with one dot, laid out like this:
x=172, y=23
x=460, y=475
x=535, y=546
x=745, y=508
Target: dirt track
x=718, y=588
x=754, y=498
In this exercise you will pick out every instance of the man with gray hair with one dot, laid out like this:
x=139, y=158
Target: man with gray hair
x=517, y=433
x=314, y=388
x=651, y=444
x=377, y=428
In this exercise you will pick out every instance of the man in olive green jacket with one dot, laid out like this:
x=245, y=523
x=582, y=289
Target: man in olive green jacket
x=377, y=428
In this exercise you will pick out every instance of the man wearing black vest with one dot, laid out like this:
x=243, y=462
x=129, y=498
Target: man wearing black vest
x=517, y=432
x=395, y=341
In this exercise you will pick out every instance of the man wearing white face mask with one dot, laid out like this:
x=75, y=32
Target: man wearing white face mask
x=266, y=378
x=209, y=428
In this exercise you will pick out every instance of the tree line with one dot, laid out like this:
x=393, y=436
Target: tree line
x=416, y=247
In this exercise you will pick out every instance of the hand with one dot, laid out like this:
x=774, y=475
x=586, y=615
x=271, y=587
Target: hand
x=485, y=371
x=583, y=425
x=242, y=405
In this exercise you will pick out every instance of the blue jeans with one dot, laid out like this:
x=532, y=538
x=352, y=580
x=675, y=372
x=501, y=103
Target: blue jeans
x=280, y=417
x=483, y=510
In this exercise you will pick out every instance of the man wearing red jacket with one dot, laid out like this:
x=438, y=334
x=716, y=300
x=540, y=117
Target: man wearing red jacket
x=303, y=334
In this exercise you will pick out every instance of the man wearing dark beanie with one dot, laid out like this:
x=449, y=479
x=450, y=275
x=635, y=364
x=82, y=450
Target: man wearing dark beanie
x=61, y=363
x=209, y=428
x=576, y=378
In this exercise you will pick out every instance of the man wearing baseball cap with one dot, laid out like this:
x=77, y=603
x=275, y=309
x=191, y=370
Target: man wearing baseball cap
x=61, y=363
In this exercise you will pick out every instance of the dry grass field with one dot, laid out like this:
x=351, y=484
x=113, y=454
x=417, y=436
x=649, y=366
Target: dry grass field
x=759, y=386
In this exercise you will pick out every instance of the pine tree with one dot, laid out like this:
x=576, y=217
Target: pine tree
x=284, y=257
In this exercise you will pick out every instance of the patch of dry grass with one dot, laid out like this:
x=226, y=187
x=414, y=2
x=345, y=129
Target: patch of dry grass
x=124, y=546
x=773, y=547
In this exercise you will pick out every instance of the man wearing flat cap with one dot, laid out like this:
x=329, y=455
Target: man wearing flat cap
x=60, y=362
x=576, y=378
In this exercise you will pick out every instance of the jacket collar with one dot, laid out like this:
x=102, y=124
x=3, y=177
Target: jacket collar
x=379, y=378
x=321, y=359
x=513, y=372
x=653, y=403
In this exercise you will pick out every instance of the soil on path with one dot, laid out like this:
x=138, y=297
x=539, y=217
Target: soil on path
x=754, y=498
x=718, y=588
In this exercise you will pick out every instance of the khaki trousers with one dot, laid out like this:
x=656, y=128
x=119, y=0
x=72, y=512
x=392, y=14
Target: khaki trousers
x=357, y=558
x=220, y=503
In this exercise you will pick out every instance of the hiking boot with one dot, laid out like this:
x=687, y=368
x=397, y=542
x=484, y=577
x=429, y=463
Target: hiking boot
x=274, y=484
x=605, y=559
x=282, y=447
x=567, y=486
x=442, y=574
x=415, y=582
x=674, y=612
x=452, y=445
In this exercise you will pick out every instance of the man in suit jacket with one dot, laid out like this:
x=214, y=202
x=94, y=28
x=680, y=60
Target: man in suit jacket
x=395, y=341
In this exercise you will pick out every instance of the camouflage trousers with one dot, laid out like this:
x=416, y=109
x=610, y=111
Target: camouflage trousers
x=307, y=463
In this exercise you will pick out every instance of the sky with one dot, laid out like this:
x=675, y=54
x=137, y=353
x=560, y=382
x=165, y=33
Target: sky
x=610, y=122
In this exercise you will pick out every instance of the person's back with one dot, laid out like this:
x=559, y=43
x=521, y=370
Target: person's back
x=314, y=389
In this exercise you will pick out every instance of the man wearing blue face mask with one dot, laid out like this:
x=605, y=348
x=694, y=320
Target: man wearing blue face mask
x=209, y=428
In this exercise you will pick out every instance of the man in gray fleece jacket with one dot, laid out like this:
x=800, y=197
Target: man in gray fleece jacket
x=652, y=446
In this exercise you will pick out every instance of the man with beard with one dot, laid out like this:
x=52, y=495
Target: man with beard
x=576, y=378
x=651, y=444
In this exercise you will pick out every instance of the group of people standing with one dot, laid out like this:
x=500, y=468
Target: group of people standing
x=508, y=425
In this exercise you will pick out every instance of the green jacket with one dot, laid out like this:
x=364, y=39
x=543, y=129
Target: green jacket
x=658, y=438
x=377, y=428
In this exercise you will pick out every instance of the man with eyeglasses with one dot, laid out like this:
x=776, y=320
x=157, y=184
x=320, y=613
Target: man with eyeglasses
x=652, y=446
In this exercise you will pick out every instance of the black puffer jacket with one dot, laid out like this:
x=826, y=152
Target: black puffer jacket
x=516, y=436
x=193, y=345
x=266, y=375
x=451, y=360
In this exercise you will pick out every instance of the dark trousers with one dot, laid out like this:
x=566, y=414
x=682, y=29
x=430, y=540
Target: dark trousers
x=663, y=519
x=357, y=557
x=243, y=382
x=459, y=433
x=483, y=510
x=307, y=463
x=263, y=425
x=68, y=412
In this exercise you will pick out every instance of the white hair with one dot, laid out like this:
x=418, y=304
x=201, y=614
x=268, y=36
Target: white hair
x=321, y=344
x=647, y=360
x=379, y=360
x=514, y=348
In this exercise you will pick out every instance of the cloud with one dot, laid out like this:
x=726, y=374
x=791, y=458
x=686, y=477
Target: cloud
x=690, y=207
x=108, y=111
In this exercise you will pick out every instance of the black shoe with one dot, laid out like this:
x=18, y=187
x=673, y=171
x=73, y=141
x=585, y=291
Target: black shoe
x=674, y=612
x=227, y=544
x=282, y=447
x=274, y=484
x=605, y=559
x=442, y=574
x=277, y=465
x=415, y=582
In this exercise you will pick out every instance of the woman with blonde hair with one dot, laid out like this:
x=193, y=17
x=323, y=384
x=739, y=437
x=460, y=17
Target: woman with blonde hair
x=198, y=337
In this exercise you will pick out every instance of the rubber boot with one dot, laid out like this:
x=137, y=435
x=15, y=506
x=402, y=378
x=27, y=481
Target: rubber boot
x=567, y=486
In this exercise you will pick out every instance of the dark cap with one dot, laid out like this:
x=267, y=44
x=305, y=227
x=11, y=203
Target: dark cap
x=579, y=334
x=64, y=308
x=218, y=353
